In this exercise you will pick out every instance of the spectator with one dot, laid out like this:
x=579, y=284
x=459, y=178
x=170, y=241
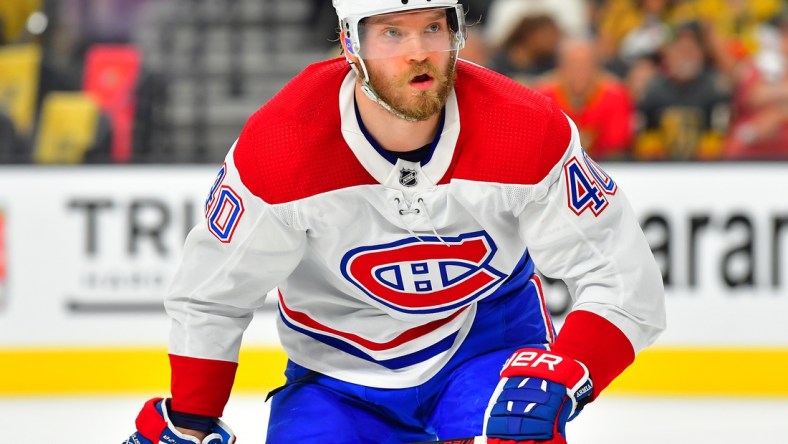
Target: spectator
x=598, y=103
x=645, y=40
x=680, y=101
x=639, y=75
x=571, y=17
x=614, y=20
x=759, y=124
x=530, y=49
x=737, y=21
x=524, y=35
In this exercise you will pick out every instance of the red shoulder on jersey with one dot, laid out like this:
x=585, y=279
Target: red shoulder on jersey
x=509, y=133
x=277, y=151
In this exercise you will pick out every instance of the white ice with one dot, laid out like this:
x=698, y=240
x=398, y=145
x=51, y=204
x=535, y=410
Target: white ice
x=610, y=420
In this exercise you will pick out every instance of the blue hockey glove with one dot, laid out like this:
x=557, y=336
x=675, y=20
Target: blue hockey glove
x=154, y=427
x=539, y=392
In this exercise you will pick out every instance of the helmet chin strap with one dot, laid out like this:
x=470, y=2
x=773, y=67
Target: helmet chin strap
x=370, y=92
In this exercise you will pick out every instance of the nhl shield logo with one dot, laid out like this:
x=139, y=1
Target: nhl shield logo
x=408, y=177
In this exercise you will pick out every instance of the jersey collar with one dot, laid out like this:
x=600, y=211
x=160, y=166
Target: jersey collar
x=387, y=154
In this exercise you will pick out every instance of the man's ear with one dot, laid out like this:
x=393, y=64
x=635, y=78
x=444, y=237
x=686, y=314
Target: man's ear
x=343, y=41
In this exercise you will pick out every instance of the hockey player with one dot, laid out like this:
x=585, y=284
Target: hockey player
x=400, y=199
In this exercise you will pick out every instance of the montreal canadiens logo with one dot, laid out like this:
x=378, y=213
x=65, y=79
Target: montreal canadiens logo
x=427, y=275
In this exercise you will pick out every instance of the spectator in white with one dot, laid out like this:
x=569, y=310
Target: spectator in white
x=570, y=15
x=646, y=39
x=638, y=55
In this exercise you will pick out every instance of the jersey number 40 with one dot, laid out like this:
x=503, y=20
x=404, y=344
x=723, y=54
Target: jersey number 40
x=587, y=189
x=223, y=208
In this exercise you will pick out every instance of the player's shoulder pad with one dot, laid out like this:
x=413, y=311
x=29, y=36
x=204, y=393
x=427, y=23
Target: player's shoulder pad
x=510, y=133
x=292, y=147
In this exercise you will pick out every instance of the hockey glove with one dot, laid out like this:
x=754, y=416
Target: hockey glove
x=154, y=427
x=538, y=393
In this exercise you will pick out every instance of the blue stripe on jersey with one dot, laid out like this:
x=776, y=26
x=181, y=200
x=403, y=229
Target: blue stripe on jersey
x=388, y=155
x=523, y=323
x=393, y=363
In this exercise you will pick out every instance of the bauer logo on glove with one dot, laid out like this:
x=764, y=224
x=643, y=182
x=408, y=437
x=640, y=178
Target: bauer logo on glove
x=539, y=392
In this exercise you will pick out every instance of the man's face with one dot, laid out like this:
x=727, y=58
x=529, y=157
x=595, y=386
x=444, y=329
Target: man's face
x=410, y=61
x=684, y=58
x=578, y=66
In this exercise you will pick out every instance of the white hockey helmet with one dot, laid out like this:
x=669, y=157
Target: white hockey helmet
x=368, y=8
x=352, y=12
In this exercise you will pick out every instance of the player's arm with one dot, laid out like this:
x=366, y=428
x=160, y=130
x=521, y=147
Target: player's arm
x=581, y=229
x=242, y=249
x=229, y=264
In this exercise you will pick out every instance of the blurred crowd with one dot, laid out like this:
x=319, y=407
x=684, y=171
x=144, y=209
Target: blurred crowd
x=645, y=80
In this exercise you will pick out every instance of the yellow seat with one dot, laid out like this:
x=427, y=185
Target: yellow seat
x=14, y=15
x=19, y=72
x=67, y=128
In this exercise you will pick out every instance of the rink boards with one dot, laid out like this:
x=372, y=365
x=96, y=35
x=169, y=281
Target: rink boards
x=86, y=254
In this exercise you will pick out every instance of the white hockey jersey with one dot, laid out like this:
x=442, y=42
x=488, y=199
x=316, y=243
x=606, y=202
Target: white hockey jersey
x=382, y=264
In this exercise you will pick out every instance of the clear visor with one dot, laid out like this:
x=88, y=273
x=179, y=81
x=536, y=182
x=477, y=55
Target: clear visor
x=410, y=33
